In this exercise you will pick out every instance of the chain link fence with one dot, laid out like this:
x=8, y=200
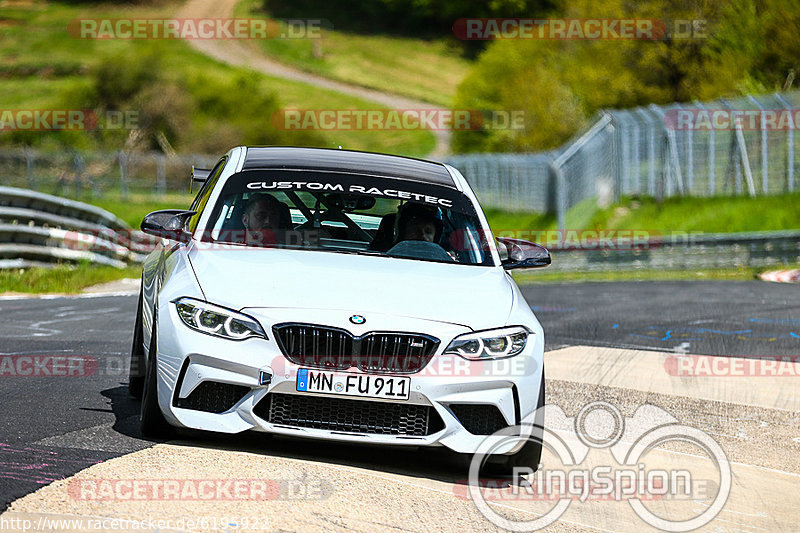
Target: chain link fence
x=725, y=147
x=81, y=174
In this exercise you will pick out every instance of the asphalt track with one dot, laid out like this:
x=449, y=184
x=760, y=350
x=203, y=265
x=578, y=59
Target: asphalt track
x=54, y=426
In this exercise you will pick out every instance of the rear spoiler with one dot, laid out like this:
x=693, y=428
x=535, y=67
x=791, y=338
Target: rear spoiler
x=199, y=175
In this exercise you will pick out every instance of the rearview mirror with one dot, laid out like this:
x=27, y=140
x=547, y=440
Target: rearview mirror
x=168, y=224
x=522, y=254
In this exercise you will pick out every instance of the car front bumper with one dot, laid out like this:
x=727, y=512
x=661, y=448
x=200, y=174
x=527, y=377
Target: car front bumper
x=187, y=359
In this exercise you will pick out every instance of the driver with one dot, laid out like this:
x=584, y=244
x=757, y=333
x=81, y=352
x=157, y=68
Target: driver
x=417, y=222
x=261, y=219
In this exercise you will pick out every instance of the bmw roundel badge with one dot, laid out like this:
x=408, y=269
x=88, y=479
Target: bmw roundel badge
x=357, y=319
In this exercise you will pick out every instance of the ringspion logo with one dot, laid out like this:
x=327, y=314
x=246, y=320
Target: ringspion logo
x=602, y=456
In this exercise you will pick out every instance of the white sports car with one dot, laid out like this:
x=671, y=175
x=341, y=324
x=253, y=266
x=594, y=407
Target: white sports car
x=337, y=295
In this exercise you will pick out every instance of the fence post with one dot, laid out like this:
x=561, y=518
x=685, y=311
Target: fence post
x=651, y=152
x=689, y=140
x=617, y=156
x=764, y=146
x=635, y=159
x=566, y=154
x=161, y=175
x=751, y=187
x=29, y=178
x=672, y=146
x=712, y=153
x=789, y=145
x=561, y=197
x=77, y=162
x=123, y=174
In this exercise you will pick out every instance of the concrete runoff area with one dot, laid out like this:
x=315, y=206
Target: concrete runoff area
x=312, y=486
x=625, y=344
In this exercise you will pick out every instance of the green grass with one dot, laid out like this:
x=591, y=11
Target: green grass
x=133, y=209
x=705, y=215
x=720, y=274
x=506, y=221
x=35, y=46
x=709, y=215
x=777, y=213
x=425, y=70
x=69, y=279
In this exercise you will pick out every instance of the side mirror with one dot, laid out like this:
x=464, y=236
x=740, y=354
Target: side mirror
x=168, y=224
x=522, y=254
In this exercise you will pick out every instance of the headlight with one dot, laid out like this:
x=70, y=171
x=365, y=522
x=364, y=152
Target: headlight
x=214, y=320
x=491, y=344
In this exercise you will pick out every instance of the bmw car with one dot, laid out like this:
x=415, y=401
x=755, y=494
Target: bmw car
x=337, y=295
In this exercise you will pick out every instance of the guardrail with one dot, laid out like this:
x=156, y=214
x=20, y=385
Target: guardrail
x=684, y=251
x=38, y=229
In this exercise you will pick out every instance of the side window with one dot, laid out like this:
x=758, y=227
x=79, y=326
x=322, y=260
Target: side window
x=201, y=200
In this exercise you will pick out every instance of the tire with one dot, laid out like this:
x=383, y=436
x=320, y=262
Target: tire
x=531, y=453
x=135, y=380
x=151, y=420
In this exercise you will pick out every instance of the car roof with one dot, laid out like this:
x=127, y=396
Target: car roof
x=350, y=161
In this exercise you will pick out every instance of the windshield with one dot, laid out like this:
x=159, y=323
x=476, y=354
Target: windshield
x=346, y=213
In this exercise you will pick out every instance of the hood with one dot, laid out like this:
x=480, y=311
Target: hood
x=473, y=296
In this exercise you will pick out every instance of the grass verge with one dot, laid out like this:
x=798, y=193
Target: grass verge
x=720, y=274
x=722, y=214
x=133, y=209
x=67, y=279
x=416, y=68
x=47, y=68
x=770, y=213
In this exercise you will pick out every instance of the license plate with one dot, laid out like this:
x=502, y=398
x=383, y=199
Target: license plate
x=349, y=384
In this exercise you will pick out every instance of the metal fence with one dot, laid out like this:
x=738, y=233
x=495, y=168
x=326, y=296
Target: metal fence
x=642, y=151
x=80, y=174
x=684, y=251
x=726, y=147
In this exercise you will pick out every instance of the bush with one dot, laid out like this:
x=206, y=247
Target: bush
x=559, y=84
x=195, y=115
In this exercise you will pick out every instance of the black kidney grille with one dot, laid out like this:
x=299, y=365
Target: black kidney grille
x=315, y=346
x=349, y=416
x=337, y=349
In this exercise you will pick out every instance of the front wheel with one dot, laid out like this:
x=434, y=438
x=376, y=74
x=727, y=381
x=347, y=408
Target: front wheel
x=151, y=420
